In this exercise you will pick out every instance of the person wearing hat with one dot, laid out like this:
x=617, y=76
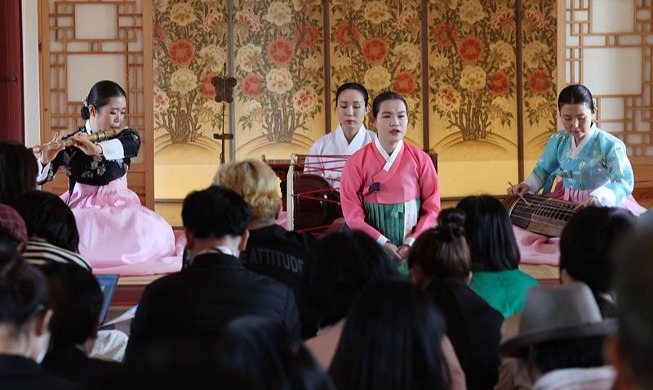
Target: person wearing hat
x=560, y=339
x=13, y=231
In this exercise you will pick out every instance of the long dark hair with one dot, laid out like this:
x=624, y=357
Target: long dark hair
x=391, y=340
x=338, y=268
x=260, y=353
x=490, y=234
x=18, y=171
x=587, y=247
x=48, y=217
x=99, y=96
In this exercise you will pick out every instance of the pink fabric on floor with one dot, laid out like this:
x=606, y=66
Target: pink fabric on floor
x=118, y=235
x=536, y=248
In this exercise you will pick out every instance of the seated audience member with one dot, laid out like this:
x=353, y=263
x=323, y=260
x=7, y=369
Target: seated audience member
x=631, y=350
x=439, y=263
x=52, y=230
x=261, y=354
x=495, y=255
x=24, y=319
x=77, y=303
x=18, y=171
x=560, y=339
x=191, y=307
x=13, y=232
x=587, y=253
x=271, y=250
x=340, y=266
x=391, y=340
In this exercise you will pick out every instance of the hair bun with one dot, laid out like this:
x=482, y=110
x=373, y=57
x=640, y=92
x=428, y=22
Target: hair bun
x=85, y=113
x=451, y=222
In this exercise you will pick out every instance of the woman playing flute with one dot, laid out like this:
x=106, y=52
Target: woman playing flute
x=117, y=234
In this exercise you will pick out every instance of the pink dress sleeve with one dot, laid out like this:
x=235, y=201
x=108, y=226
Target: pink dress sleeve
x=351, y=186
x=429, y=193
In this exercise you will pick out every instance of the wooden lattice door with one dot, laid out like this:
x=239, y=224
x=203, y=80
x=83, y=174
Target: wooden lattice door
x=86, y=41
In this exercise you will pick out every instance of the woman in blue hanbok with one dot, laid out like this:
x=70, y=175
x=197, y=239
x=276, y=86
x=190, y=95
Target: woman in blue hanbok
x=591, y=164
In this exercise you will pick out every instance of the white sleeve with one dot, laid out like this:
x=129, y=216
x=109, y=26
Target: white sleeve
x=112, y=149
x=43, y=170
x=534, y=183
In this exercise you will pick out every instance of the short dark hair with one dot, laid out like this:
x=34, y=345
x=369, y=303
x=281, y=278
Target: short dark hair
x=215, y=212
x=634, y=272
x=337, y=269
x=77, y=302
x=490, y=234
x=575, y=94
x=23, y=291
x=383, y=96
x=356, y=87
x=48, y=217
x=99, y=96
x=587, y=244
x=391, y=340
x=443, y=252
x=261, y=353
x=18, y=171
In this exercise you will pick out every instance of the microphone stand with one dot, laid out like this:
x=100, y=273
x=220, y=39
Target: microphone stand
x=223, y=94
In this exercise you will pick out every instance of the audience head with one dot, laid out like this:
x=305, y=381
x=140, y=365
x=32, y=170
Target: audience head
x=260, y=353
x=490, y=235
x=338, y=268
x=215, y=212
x=587, y=247
x=24, y=308
x=351, y=106
x=560, y=327
x=18, y=171
x=48, y=217
x=256, y=182
x=632, y=350
x=441, y=252
x=77, y=302
x=13, y=232
x=391, y=340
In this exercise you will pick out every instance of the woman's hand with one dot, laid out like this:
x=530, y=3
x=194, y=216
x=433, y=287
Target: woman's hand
x=592, y=201
x=393, y=250
x=48, y=155
x=519, y=189
x=82, y=142
x=403, y=251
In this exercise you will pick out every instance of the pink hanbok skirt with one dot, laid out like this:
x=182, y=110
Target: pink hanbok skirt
x=538, y=249
x=119, y=235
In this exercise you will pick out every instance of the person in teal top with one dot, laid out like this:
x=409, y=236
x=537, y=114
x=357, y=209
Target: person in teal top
x=495, y=255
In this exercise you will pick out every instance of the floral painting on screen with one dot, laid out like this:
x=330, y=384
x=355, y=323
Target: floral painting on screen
x=378, y=44
x=280, y=67
x=189, y=50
